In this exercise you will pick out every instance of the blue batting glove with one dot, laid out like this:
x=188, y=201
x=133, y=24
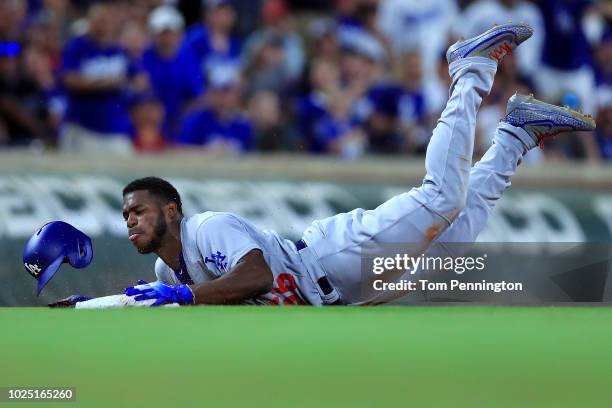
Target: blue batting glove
x=162, y=292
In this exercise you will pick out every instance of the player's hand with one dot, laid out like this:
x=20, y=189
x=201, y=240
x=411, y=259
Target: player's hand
x=162, y=292
x=70, y=301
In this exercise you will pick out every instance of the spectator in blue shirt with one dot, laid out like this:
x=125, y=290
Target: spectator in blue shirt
x=174, y=74
x=314, y=106
x=566, y=57
x=212, y=40
x=389, y=112
x=324, y=115
x=394, y=115
x=337, y=133
x=219, y=127
x=97, y=75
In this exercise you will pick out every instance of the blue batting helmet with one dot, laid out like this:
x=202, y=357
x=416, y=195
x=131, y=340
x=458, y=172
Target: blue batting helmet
x=55, y=243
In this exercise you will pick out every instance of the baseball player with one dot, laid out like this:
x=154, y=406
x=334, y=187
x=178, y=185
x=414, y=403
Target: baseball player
x=221, y=258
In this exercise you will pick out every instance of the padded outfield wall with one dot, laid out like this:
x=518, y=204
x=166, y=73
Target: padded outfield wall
x=562, y=203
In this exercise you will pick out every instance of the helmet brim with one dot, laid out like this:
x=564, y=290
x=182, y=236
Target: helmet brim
x=48, y=273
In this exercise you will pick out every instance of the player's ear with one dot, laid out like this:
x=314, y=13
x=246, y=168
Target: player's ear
x=171, y=210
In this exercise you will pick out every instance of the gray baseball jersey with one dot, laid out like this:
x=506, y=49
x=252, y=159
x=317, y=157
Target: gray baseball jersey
x=214, y=242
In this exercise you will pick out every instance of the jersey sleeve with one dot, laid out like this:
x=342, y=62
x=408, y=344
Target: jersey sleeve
x=223, y=241
x=164, y=273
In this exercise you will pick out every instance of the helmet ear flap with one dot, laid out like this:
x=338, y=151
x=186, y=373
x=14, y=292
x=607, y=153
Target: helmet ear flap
x=81, y=251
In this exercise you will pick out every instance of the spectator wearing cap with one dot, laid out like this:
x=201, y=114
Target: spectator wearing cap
x=173, y=72
x=356, y=20
x=361, y=67
x=323, y=36
x=97, y=75
x=276, y=23
x=361, y=60
x=211, y=40
x=267, y=70
x=219, y=127
x=395, y=115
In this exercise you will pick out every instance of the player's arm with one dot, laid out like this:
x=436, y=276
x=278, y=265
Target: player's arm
x=137, y=81
x=249, y=278
x=76, y=82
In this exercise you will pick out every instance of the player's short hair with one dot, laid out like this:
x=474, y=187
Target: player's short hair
x=158, y=188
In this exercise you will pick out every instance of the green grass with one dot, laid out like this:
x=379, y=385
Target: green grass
x=289, y=357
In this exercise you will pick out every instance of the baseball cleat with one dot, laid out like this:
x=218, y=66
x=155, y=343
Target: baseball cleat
x=494, y=44
x=543, y=121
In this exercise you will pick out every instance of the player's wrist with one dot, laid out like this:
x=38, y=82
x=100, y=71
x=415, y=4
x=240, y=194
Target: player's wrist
x=185, y=295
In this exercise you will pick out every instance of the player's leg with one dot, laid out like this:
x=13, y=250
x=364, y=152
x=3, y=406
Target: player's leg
x=489, y=178
x=528, y=123
x=420, y=215
x=472, y=65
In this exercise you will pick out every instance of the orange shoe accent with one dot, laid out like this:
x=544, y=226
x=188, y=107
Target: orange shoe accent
x=500, y=52
x=543, y=136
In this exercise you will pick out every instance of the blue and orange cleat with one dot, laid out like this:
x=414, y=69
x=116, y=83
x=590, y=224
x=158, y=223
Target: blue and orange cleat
x=495, y=44
x=543, y=121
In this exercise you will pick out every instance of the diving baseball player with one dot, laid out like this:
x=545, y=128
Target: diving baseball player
x=221, y=258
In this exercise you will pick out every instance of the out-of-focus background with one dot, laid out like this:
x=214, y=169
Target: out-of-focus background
x=345, y=78
x=283, y=111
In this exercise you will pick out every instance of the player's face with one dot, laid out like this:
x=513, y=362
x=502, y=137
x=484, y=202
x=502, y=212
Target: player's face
x=145, y=220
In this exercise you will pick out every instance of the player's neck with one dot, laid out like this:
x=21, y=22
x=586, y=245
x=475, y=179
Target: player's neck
x=170, y=249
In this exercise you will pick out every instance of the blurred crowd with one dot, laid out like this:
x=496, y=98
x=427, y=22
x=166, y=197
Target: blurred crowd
x=343, y=77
